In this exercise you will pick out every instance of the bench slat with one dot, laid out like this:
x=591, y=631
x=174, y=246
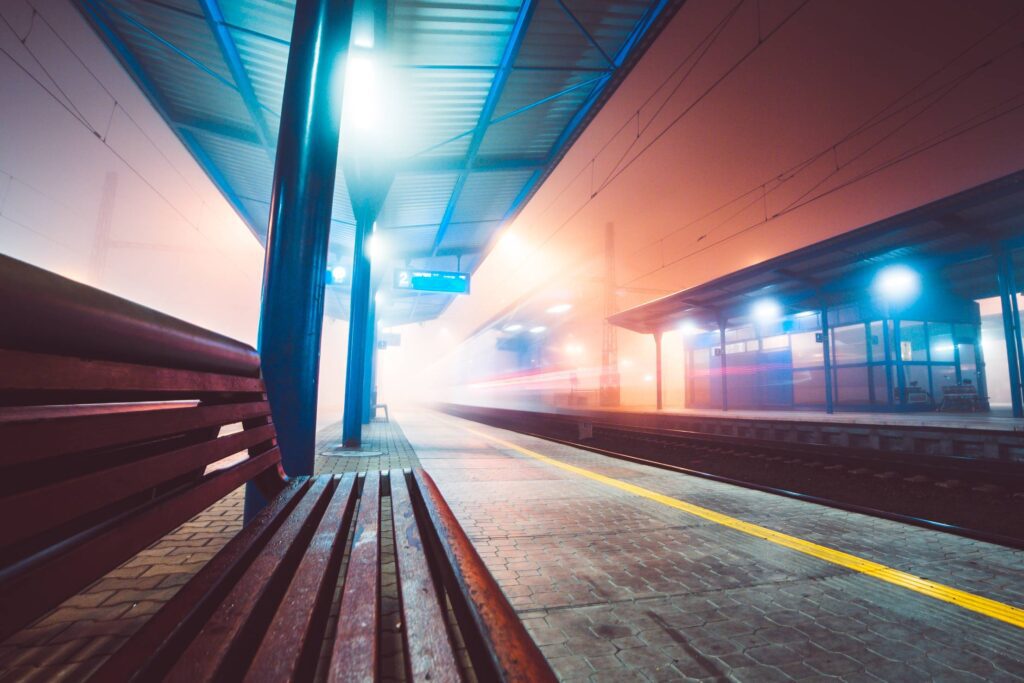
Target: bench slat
x=212, y=653
x=32, y=587
x=499, y=645
x=151, y=650
x=56, y=436
x=354, y=654
x=34, y=377
x=290, y=649
x=47, y=507
x=429, y=647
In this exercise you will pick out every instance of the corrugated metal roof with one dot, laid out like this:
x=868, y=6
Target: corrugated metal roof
x=485, y=109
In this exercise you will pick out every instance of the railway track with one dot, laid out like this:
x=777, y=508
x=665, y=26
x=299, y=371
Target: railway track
x=969, y=497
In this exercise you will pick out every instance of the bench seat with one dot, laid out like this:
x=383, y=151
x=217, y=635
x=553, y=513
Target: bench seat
x=118, y=424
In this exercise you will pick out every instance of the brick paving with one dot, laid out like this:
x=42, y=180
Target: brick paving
x=81, y=633
x=616, y=587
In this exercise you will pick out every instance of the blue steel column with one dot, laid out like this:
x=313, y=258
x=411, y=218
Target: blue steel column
x=359, y=313
x=291, y=317
x=1011, y=326
x=826, y=352
x=722, y=364
x=371, y=357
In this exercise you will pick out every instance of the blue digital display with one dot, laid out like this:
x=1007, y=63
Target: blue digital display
x=432, y=281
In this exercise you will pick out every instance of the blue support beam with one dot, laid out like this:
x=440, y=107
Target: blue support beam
x=1011, y=327
x=358, y=329
x=826, y=354
x=508, y=58
x=294, y=277
x=228, y=49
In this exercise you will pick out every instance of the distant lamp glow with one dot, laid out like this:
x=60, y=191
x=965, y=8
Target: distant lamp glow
x=805, y=314
x=379, y=298
x=574, y=349
x=338, y=274
x=374, y=247
x=514, y=327
x=648, y=378
x=560, y=308
x=897, y=284
x=689, y=328
x=538, y=329
x=766, y=310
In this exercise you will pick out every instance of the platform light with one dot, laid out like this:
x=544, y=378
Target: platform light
x=898, y=284
x=574, y=349
x=374, y=247
x=379, y=298
x=648, y=377
x=338, y=274
x=560, y=308
x=514, y=327
x=689, y=328
x=766, y=310
x=538, y=329
x=361, y=96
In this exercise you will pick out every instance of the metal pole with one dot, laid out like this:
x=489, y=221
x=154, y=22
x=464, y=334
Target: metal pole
x=826, y=352
x=901, y=376
x=371, y=359
x=722, y=364
x=359, y=318
x=657, y=366
x=1011, y=325
x=291, y=317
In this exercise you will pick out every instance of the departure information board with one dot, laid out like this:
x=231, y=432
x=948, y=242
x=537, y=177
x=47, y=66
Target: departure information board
x=432, y=281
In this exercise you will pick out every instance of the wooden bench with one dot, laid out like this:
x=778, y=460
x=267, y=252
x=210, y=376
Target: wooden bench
x=115, y=423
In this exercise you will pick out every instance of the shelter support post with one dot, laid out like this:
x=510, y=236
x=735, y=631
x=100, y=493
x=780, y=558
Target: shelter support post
x=291, y=316
x=358, y=330
x=370, y=368
x=657, y=368
x=1011, y=326
x=722, y=364
x=826, y=354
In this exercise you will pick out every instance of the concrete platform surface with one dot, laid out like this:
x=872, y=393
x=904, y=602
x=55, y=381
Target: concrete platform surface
x=617, y=585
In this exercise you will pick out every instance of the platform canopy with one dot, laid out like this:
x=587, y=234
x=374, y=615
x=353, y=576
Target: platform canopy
x=484, y=98
x=951, y=241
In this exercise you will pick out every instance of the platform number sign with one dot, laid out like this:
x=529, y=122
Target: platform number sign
x=432, y=281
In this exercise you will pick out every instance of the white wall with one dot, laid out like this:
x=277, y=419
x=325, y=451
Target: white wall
x=95, y=186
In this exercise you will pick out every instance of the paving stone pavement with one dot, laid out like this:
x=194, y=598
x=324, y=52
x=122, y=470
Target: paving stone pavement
x=616, y=587
x=81, y=633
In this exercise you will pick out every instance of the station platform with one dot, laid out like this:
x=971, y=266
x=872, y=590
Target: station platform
x=978, y=435
x=623, y=572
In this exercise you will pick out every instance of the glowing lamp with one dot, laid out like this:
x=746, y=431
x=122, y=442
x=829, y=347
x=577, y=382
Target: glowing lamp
x=897, y=284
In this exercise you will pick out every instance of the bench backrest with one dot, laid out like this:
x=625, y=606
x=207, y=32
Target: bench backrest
x=112, y=425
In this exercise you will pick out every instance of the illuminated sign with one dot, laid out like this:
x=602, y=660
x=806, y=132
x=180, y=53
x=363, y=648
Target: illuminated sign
x=432, y=281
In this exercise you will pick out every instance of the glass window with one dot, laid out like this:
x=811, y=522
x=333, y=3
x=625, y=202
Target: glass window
x=852, y=385
x=849, y=344
x=807, y=351
x=809, y=387
x=878, y=377
x=780, y=341
x=941, y=337
x=913, y=341
x=739, y=333
x=752, y=345
x=738, y=347
x=877, y=341
x=943, y=376
x=917, y=384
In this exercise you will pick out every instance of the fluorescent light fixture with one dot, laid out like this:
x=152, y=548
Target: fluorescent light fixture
x=538, y=329
x=898, y=284
x=361, y=96
x=514, y=327
x=338, y=273
x=805, y=314
x=560, y=308
x=766, y=310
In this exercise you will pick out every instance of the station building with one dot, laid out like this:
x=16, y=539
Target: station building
x=919, y=312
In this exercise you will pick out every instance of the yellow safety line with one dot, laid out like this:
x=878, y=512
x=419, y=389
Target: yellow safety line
x=975, y=603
